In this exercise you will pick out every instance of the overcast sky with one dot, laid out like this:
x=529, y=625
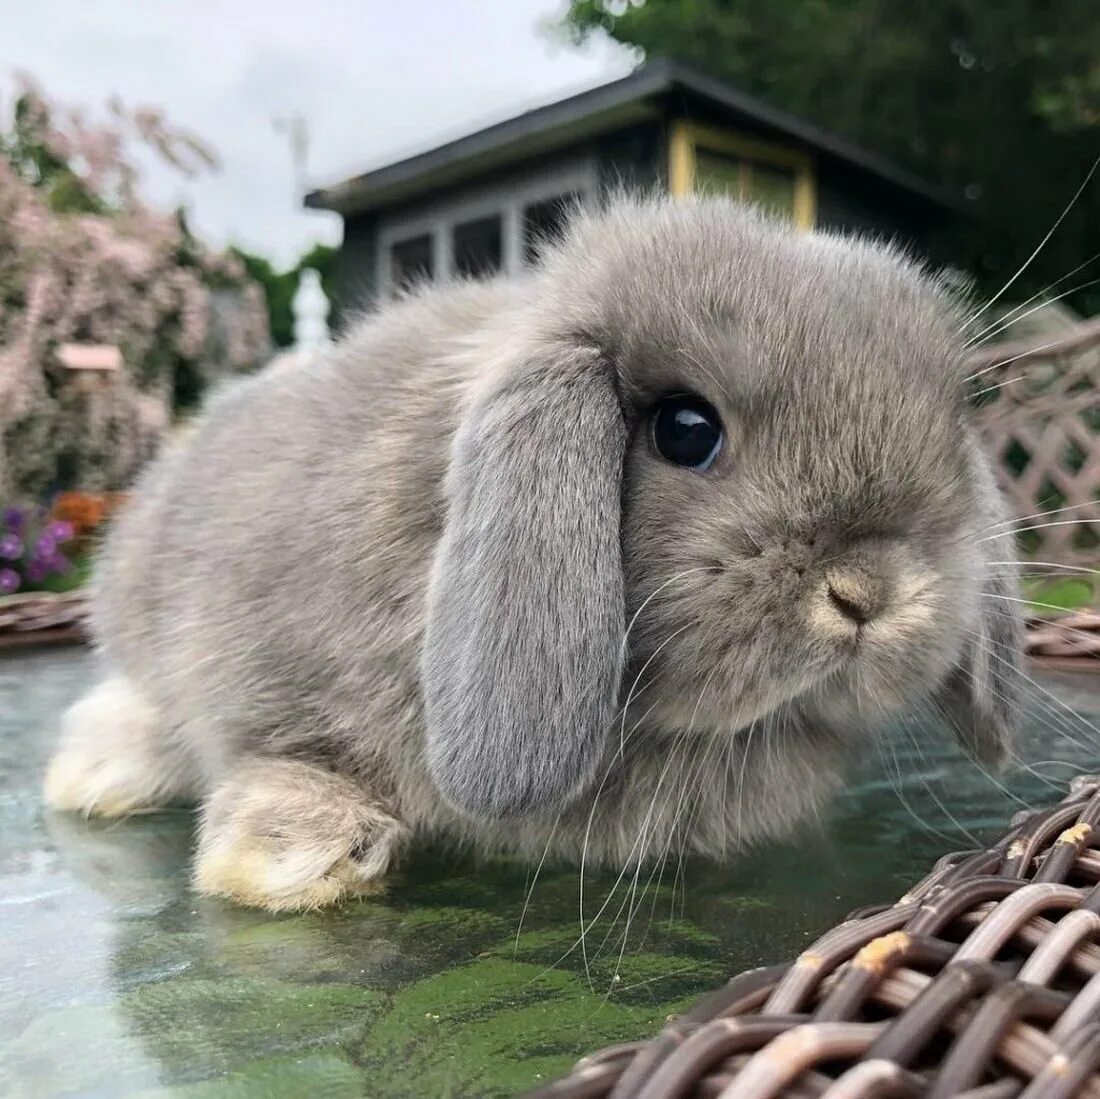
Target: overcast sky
x=375, y=79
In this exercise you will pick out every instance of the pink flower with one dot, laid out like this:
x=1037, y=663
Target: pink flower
x=9, y=581
x=113, y=278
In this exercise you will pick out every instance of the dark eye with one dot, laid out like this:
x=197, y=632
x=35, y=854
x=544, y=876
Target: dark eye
x=687, y=431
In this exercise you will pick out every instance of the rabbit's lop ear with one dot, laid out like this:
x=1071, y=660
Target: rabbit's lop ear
x=983, y=696
x=522, y=656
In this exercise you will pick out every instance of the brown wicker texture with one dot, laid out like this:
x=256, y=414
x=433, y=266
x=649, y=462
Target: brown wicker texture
x=41, y=616
x=1042, y=422
x=1069, y=641
x=983, y=981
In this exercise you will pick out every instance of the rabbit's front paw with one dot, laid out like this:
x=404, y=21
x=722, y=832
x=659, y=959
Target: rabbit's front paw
x=288, y=836
x=112, y=759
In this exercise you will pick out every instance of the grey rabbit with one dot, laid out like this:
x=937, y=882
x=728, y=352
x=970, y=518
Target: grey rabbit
x=623, y=556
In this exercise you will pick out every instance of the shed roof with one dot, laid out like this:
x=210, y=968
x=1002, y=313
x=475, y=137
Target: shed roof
x=645, y=93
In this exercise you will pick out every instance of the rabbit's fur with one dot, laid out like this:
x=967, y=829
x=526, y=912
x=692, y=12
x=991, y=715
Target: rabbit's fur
x=390, y=593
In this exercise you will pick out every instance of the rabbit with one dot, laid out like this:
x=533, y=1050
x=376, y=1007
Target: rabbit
x=625, y=555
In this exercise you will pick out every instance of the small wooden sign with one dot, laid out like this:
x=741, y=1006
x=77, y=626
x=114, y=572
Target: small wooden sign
x=90, y=356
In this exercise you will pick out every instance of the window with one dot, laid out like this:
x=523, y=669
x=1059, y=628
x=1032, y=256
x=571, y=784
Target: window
x=411, y=261
x=750, y=180
x=779, y=179
x=544, y=222
x=477, y=246
x=485, y=229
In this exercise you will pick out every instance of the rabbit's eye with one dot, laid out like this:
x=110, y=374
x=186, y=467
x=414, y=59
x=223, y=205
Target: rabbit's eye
x=687, y=431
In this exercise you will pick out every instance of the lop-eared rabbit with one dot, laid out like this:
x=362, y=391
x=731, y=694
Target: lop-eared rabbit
x=625, y=555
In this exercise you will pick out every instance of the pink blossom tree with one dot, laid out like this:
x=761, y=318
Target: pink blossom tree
x=84, y=260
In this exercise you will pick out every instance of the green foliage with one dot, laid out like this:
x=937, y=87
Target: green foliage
x=29, y=154
x=77, y=577
x=321, y=257
x=1061, y=593
x=279, y=286
x=999, y=103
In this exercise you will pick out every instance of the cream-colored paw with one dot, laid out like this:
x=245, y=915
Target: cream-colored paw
x=286, y=836
x=111, y=787
x=109, y=762
x=254, y=874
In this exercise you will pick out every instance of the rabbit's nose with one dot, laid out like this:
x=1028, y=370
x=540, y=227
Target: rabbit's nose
x=856, y=595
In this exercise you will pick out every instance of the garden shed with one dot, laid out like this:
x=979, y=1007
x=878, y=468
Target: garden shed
x=477, y=204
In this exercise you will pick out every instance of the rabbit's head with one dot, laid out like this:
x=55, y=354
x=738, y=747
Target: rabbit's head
x=715, y=469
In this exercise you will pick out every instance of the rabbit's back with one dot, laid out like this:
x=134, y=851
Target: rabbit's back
x=267, y=580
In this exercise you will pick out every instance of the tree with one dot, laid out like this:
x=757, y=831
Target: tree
x=1000, y=103
x=83, y=260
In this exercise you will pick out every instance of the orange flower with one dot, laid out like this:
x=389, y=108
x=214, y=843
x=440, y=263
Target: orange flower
x=86, y=511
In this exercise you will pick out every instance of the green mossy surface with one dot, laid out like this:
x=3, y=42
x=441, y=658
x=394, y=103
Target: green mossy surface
x=464, y=978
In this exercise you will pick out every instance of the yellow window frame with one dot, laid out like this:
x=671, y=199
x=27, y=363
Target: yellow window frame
x=685, y=138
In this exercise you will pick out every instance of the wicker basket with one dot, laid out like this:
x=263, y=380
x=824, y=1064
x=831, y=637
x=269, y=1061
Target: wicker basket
x=39, y=617
x=983, y=981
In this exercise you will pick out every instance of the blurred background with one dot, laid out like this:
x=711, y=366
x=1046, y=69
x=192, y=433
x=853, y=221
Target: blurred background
x=189, y=193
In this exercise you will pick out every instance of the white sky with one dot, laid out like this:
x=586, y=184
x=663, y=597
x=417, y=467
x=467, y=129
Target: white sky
x=375, y=79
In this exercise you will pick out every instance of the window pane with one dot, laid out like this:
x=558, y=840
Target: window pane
x=544, y=223
x=411, y=261
x=772, y=188
x=746, y=178
x=477, y=246
x=718, y=174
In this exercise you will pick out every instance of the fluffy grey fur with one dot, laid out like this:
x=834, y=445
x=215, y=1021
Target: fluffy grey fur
x=414, y=564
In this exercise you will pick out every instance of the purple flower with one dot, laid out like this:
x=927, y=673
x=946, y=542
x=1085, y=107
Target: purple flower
x=61, y=530
x=11, y=547
x=37, y=570
x=9, y=581
x=45, y=546
x=58, y=562
x=14, y=519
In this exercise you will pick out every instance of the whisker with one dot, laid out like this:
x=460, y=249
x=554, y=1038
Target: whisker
x=970, y=344
x=1041, y=526
x=745, y=753
x=1061, y=626
x=658, y=869
x=653, y=595
x=584, y=850
x=534, y=882
x=639, y=840
x=992, y=779
x=993, y=388
x=1051, y=565
x=932, y=793
x=673, y=824
x=1079, y=768
x=1026, y=602
x=898, y=788
x=640, y=845
x=712, y=746
x=1045, y=290
x=1011, y=359
x=1079, y=718
x=1049, y=718
x=1041, y=245
x=630, y=694
x=1041, y=514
